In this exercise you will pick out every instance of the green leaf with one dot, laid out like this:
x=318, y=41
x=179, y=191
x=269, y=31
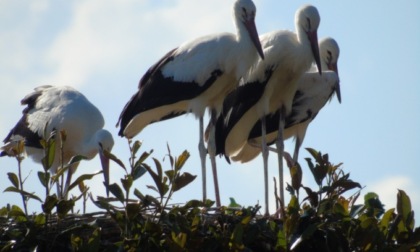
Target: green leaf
x=138, y=194
x=143, y=157
x=44, y=178
x=61, y=171
x=24, y=193
x=16, y=211
x=281, y=244
x=133, y=210
x=63, y=207
x=170, y=174
x=136, y=147
x=296, y=175
x=159, y=169
x=117, y=192
x=236, y=237
x=171, y=159
x=313, y=153
x=386, y=220
x=101, y=203
x=82, y=178
x=404, y=209
x=312, y=196
x=152, y=188
x=49, y=204
x=40, y=219
x=345, y=184
x=14, y=179
x=293, y=206
x=76, y=159
x=180, y=161
x=94, y=241
x=127, y=183
x=114, y=158
x=48, y=160
x=233, y=203
x=183, y=180
x=138, y=171
x=157, y=177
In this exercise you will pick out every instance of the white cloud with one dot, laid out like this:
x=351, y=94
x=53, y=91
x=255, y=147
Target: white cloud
x=103, y=35
x=387, y=190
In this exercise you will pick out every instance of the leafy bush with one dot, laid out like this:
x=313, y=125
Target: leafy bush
x=324, y=220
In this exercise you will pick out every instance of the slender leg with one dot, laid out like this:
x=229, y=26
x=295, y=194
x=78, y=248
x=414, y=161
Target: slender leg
x=297, y=147
x=59, y=191
x=70, y=172
x=211, y=146
x=265, y=162
x=203, y=152
x=280, y=149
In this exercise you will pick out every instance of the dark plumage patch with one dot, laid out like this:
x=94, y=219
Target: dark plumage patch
x=155, y=91
x=272, y=120
x=32, y=139
x=235, y=105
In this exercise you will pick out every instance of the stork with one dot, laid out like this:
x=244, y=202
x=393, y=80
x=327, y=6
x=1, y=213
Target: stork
x=195, y=76
x=60, y=108
x=312, y=94
x=269, y=87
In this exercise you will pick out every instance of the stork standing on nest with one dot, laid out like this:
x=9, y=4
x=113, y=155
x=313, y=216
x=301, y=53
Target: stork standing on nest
x=270, y=87
x=313, y=92
x=195, y=76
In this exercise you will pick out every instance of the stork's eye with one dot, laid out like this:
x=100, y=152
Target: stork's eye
x=244, y=14
x=329, y=57
x=308, y=20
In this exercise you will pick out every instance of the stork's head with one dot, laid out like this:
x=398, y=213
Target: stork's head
x=329, y=58
x=307, y=21
x=329, y=52
x=244, y=12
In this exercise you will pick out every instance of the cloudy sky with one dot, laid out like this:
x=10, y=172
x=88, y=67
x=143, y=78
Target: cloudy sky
x=102, y=48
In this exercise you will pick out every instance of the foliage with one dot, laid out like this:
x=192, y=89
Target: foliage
x=326, y=219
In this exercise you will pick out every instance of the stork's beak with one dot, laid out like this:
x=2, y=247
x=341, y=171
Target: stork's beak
x=252, y=30
x=333, y=67
x=105, y=168
x=313, y=38
x=337, y=91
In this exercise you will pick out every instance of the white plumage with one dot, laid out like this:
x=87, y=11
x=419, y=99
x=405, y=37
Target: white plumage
x=195, y=76
x=313, y=92
x=271, y=85
x=55, y=109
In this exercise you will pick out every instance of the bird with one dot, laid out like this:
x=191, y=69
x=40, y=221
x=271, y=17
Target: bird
x=269, y=87
x=52, y=109
x=194, y=76
x=312, y=94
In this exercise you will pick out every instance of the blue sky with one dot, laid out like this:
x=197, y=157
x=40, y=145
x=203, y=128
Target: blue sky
x=102, y=48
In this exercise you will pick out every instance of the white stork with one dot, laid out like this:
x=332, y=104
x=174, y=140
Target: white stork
x=195, y=76
x=55, y=109
x=270, y=87
x=313, y=92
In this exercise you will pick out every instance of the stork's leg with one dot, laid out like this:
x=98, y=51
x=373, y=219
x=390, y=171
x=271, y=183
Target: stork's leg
x=298, y=143
x=211, y=147
x=59, y=184
x=264, y=149
x=280, y=150
x=203, y=152
x=70, y=172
